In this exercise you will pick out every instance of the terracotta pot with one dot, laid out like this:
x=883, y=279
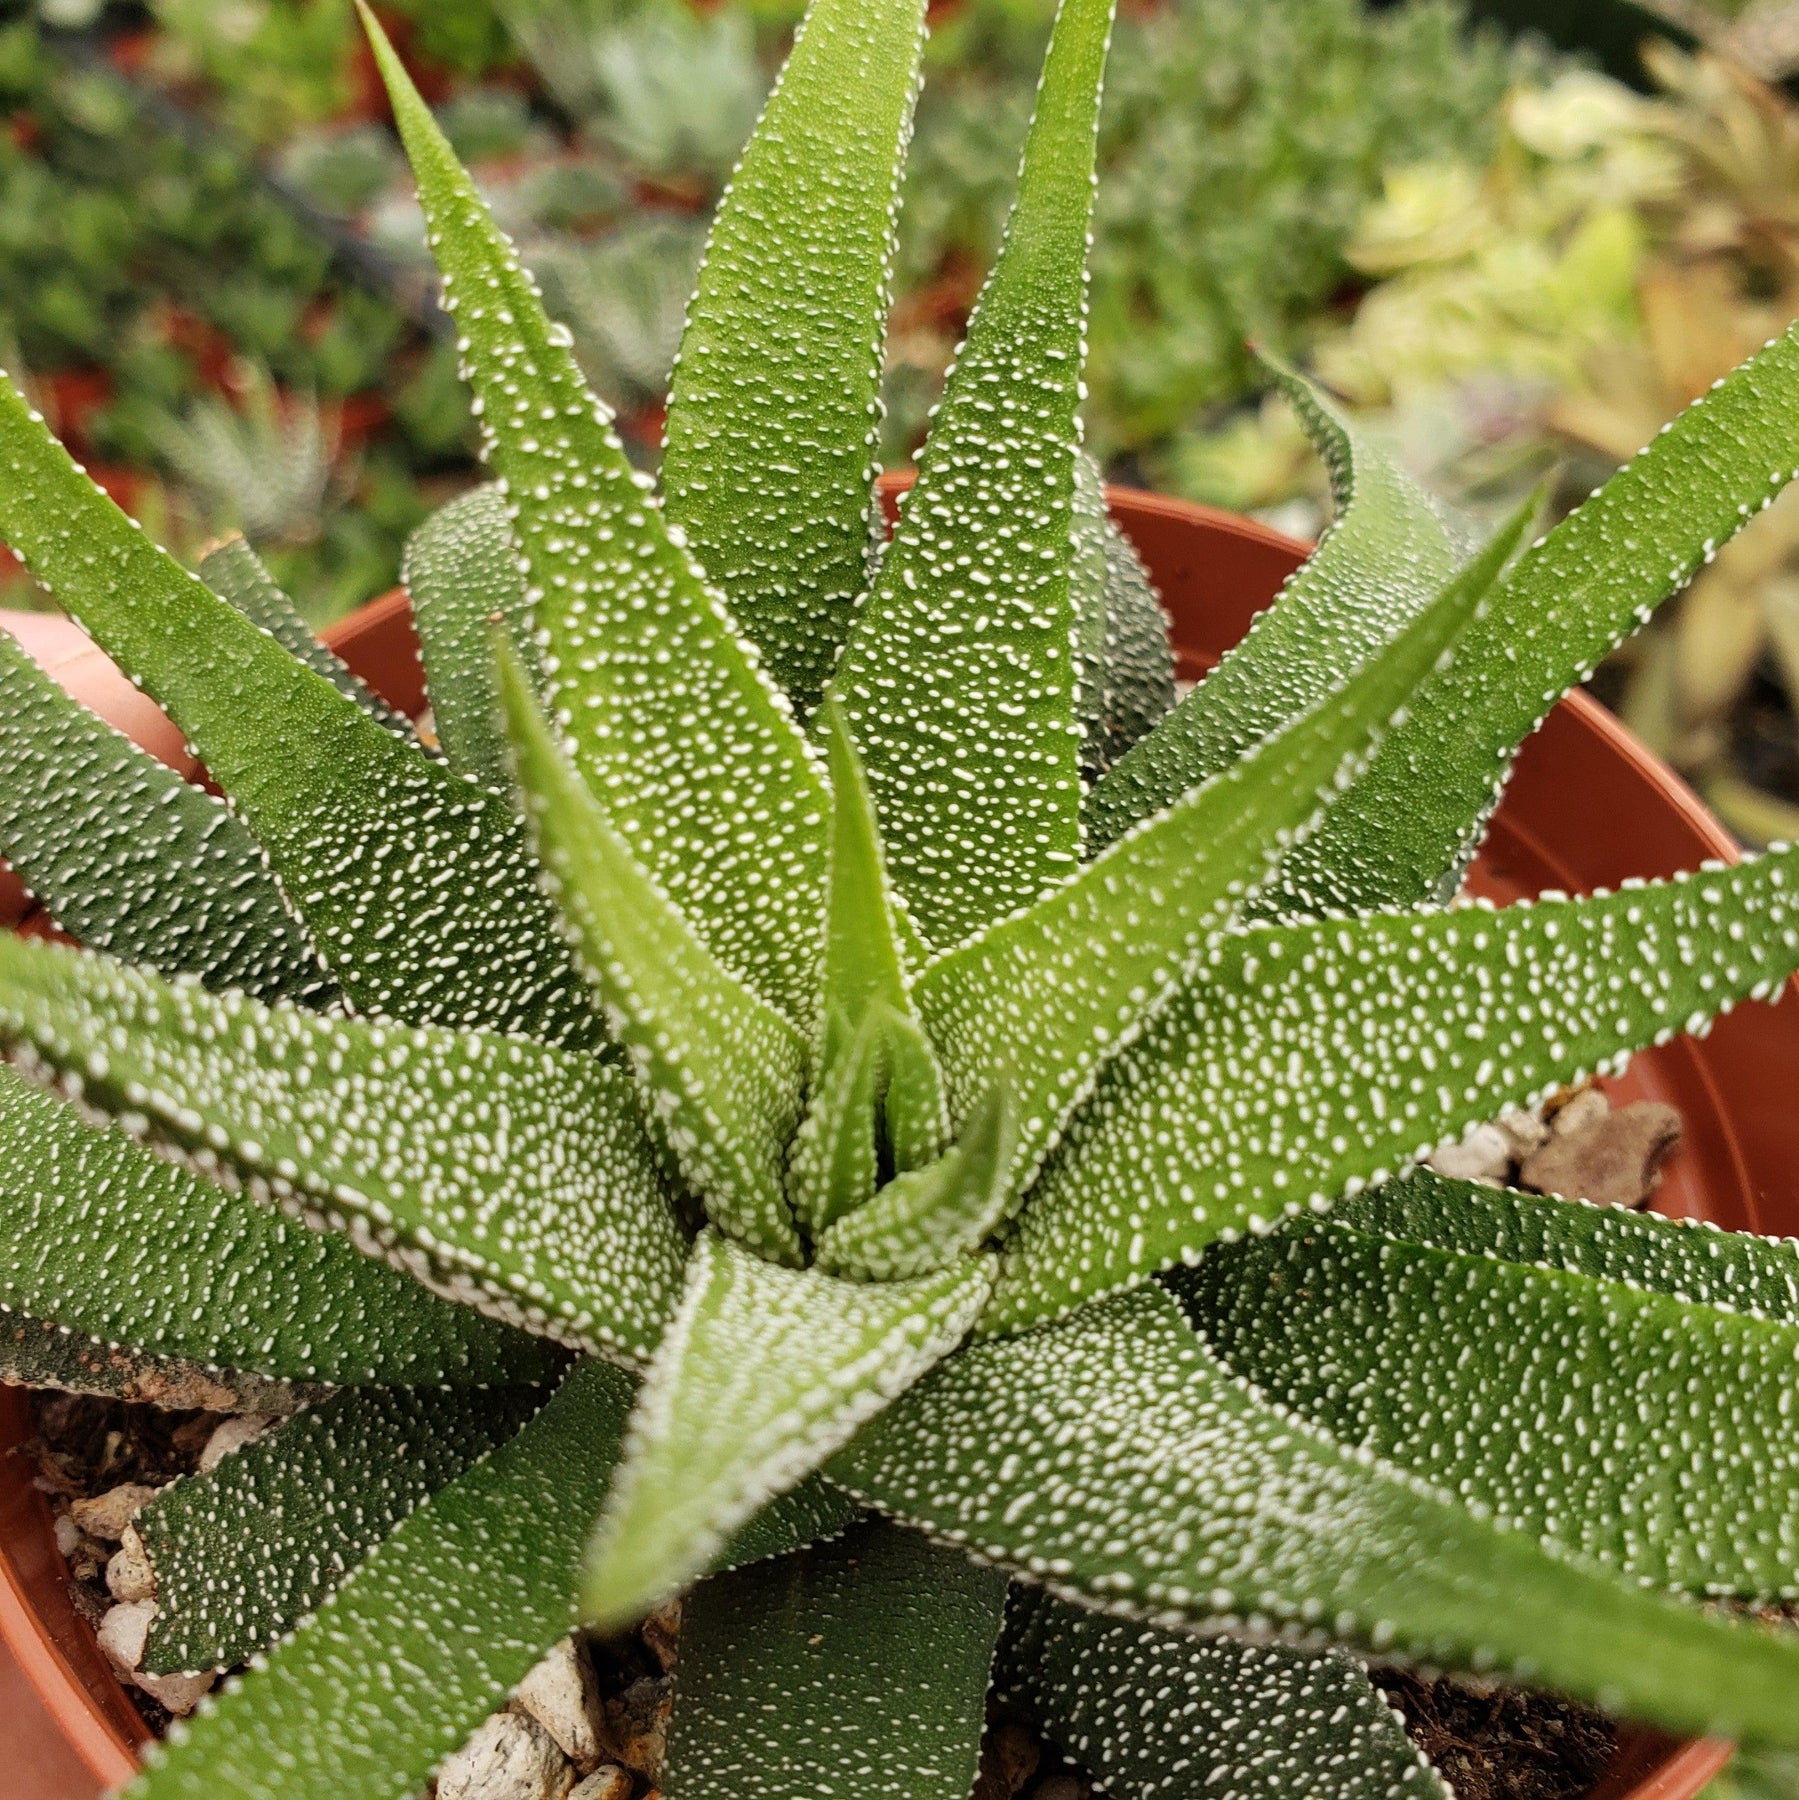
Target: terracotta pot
x=1587, y=807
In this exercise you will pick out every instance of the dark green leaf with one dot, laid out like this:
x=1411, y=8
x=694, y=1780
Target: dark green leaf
x=236, y=573
x=243, y=1552
x=763, y=1373
x=1155, y=1713
x=722, y=1071
x=415, y=885
x=856, y=1668
x=130, y=858
x=774, y=405
x=1306, y=1061
x=427, y=1637
x=464, y=578
x=677, y=730
x=958, y=677
x=1388, y=553
x=1113, y=1459
x=511, y=1176
x=118, y=1246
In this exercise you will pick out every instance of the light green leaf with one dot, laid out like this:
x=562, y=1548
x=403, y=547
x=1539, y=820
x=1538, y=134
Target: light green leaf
x=958, y=677
x=1126, y=663
x=118, y=1246
x=927, y=1218
x=1690, y=1259
x=36, y=1353
x=1115, y=1461
x=857, y=1668
x=1402, y=835
x=463, y=577
x=236, y=573
x=415, y=886
x=1156, y=1713
x=834, y=1164
x=774, y=406
x=676, y=729
x=1305, y=1061
x=241, y=1553
x=130, y=858
x=872, y=1053
x=763, y=1373
x=1388, y=553
x=721, y=1072
x=1050, y=994
x=426, y=1638
x=1650, y=1434
x=511, y=1176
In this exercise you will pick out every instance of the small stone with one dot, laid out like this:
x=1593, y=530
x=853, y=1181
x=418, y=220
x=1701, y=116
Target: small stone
x=1523, y=1132
x=607, y=1783
x=69, y=1537
x=637, y=1724
x=124, y=1632
x=1484, y=1154
x=1584, y=1107
x=106, y=1515
x=661, y=1635
x=179, y=1693
x=561, y=1695
x=1058, y=1787
x=129, y=1576
x=1614, y=1158
x=510, y=1757
x=231, y=1435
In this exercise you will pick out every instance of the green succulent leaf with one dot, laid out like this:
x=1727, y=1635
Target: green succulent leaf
x=722, y=1073
x=1388, y=553
x=129, y=857
x=787, y=326
x=426, y=1637
x=1305, y=1061
x=927, y=1218
x=1115, y=1461
x=1405, y=829
x=1648, y=1433
x=676, y=728
x=763, y=1373
x=810, y=1513
x=415, y=885
x=511, y=1176
x=236, y=573
x=872, y=1052
x=958, y=677
x=1126, y=664
x=40, y=1354
x=1689, y=1259
x=858, y=1667
x=118, y=1246
x=241, y=1553
x=463, y=578
x=1160, y=1712
x=1051, y=993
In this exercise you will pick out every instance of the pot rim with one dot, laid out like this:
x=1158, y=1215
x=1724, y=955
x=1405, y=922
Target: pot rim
x=70, y=1675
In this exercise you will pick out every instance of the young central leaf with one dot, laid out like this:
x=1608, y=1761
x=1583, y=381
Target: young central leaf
x=721, y=1071
x=774, y=405
x=958, y=678
x=764, y=1372
x=675, y=727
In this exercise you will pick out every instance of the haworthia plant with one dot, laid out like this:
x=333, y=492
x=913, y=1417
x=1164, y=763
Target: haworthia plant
x=749, y=1083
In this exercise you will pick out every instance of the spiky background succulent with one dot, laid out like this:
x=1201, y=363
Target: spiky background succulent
x=824, y=1126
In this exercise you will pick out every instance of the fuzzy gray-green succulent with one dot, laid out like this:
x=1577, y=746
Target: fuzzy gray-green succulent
x=823, y=1091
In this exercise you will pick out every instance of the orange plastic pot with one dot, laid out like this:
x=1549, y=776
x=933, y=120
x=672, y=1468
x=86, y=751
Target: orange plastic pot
x=1587, y=807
